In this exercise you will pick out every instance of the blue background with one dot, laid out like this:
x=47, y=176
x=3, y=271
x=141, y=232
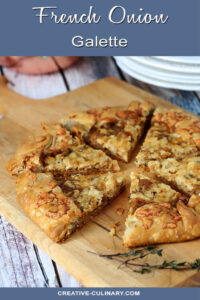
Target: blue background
x=145, y=293
x=21, y=33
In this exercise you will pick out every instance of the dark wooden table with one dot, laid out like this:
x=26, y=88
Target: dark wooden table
x=22, y=264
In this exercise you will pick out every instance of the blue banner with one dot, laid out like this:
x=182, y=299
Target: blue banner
x=96, y=293
x=89, y=27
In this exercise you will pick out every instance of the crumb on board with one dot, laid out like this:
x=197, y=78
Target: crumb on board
x=114, y=228
x=120, y=211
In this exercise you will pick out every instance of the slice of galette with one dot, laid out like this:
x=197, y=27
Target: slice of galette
x=115, y=130
x=58, y=150
x=159, y=214
x=61, y=207
x=173, y=135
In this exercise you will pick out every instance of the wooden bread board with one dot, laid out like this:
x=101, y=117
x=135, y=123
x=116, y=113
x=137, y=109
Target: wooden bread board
x=20, y=117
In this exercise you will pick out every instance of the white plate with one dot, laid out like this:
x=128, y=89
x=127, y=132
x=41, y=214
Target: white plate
x=161, y=74
x=166, y=65
x=157, y=82
x=192, y=60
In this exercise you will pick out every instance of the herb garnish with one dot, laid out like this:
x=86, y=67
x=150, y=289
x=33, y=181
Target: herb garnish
x=128, y=259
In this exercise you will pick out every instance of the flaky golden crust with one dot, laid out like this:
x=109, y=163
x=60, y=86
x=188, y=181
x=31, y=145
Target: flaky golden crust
x=161, y=225
x=179, y=122
x=53, y=139
x=173, y=134
x=159, y=214
x=78, y=122
x=83, y=160
x=144, y=190
x=61, y=181
x=115, y=130
x=45, y=203
x=171, y=149
x=118, y=130
x=56, y=149
x=184, y=175
x=91, y=192
x=60, y=209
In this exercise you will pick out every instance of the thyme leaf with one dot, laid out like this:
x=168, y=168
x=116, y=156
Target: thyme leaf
x=130, y=260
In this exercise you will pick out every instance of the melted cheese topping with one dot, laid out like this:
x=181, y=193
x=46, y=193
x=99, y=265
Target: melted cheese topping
x=82, y=159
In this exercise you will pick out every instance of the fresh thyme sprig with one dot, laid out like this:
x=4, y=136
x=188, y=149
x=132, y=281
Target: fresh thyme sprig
x=128, y=259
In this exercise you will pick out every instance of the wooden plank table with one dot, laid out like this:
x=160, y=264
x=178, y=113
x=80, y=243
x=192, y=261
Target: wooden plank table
x=22, y=264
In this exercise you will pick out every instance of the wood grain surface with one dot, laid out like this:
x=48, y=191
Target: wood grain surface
x=21, y=116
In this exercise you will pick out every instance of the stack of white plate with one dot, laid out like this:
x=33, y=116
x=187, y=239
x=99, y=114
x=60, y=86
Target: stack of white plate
x=178, y=72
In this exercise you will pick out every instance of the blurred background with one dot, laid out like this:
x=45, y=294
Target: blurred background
x=177, y=72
